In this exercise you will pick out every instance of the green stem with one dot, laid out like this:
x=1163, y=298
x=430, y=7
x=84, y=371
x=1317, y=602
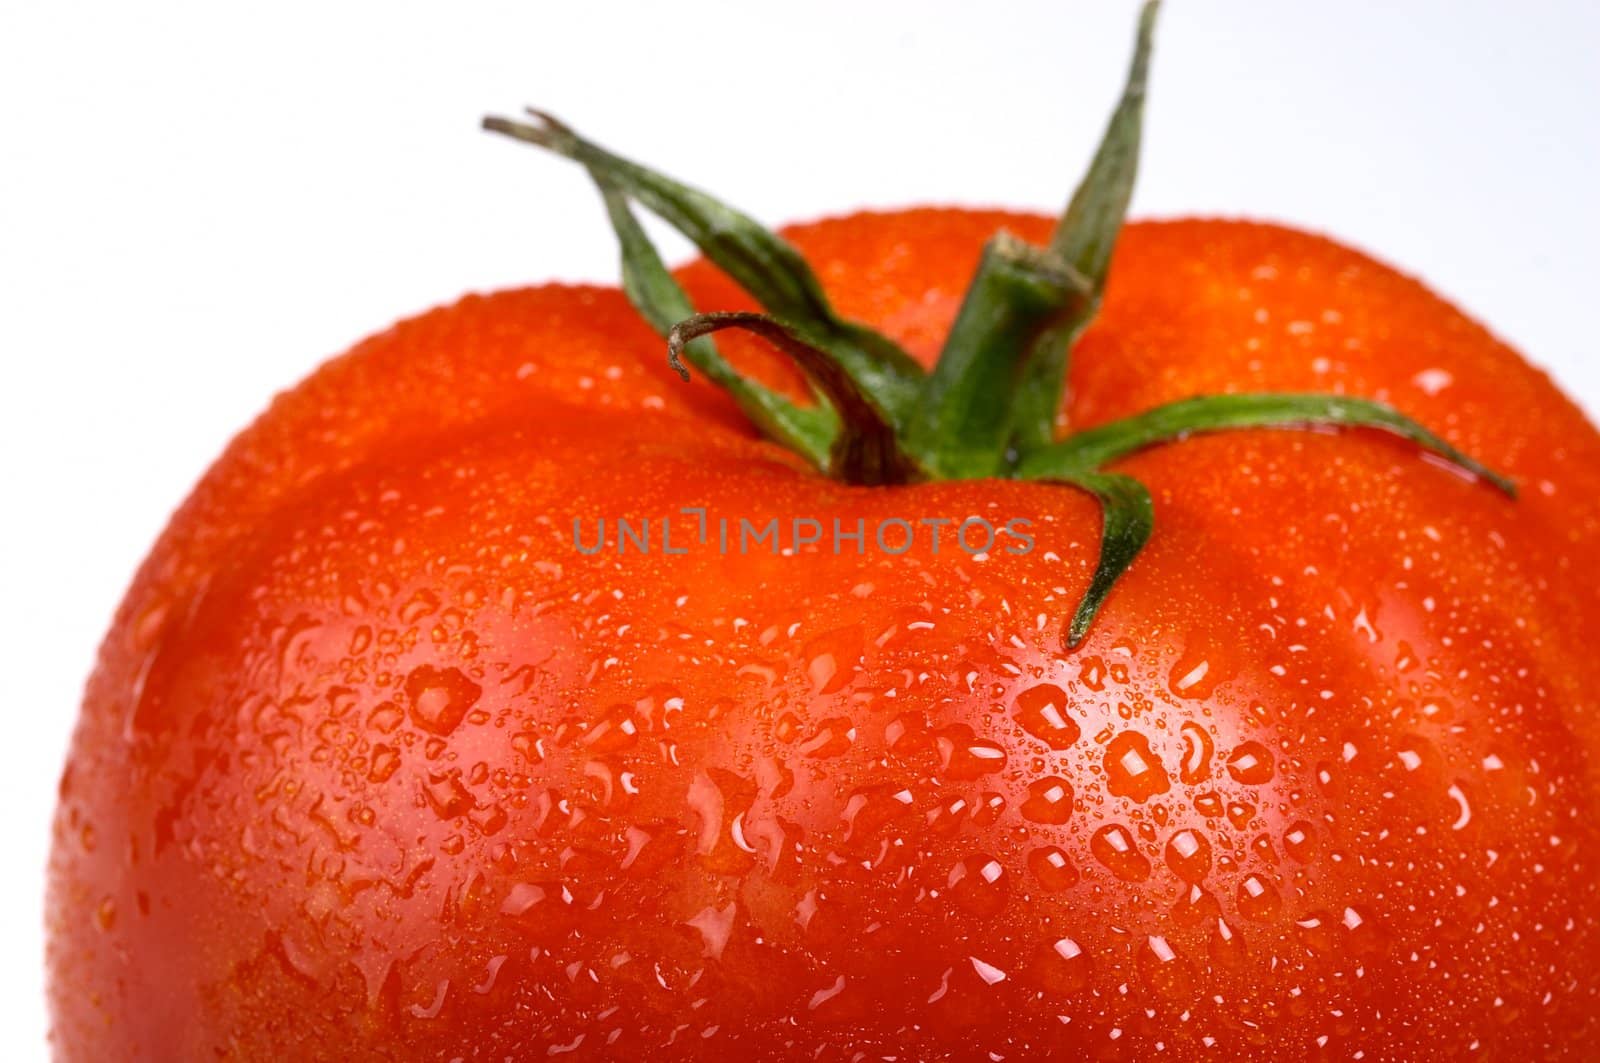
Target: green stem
x=962, y=422
x=1084, y=239
x=866, y=449
x=989, y=407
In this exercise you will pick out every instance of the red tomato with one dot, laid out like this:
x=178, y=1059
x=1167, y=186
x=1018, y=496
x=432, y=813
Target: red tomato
x=385, y=758
x=375, y=763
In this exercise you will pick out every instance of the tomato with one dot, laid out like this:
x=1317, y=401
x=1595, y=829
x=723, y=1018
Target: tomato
x=377, y=762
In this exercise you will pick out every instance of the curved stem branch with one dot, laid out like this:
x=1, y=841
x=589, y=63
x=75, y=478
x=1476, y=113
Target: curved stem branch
x=866, y=449
x=660, y=300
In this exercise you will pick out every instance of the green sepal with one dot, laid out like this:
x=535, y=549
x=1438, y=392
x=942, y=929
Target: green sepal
x=1127, y=517
x=865, y=450
x=1096, y=447
x=760, y=261
x=1084, y=239
x=663, y=303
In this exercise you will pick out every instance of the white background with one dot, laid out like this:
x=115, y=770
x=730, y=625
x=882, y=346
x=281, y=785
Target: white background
x=201, y=201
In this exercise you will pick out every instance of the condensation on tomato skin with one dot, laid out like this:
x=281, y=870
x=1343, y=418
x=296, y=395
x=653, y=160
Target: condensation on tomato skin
x=568, y=841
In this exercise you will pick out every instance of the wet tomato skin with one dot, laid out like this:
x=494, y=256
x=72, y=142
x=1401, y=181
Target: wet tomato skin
x=375, y=764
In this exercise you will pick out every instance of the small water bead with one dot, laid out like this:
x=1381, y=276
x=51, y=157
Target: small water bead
x=1258, y=899
x=1162, y=969
x=1196, y=907
x=964, y=756
x=1195, y=767
x=871, y=808
x=1132, y=769
x=906, y=735
x=1226, y=946
x=1116, y=850
x=1316, y=932
x=1052, y=869
x=1189, y=856
x=1300, y=841
x=1251, y=763
x=979, y=885
x=616, y=730
x=1049, y=801
x=440, y=697
x=1042, y=712
x=1061, y=967
x=447, y=795
x=829, y=738
x=385, y=761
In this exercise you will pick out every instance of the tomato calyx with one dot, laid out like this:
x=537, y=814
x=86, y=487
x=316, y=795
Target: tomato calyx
x=989, y=406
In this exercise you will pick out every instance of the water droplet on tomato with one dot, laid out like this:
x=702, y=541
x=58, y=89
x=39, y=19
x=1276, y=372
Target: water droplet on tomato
x=1316, y=933
x=990, y=974
x=1189, y=856
x=906, y=735
x=964, y=756
x=1162, y=969
x=1117, y=851
x=1042, y=712
x=1300, y=841
x=1196, y=907
x=385, y=761
x=1361, y=933
x=1049, y=801
x=1061, y=967
x=1226, y=946
x=1258, y=899
x=832, y=660
x=829, y=738
x=440, y=697
x=979, y=885
x=1052, y=869
x=1251, y=763
x=1132, y=770
x=871, y=808
x=1195, y=766
x=617, y=729
x=447, y=795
